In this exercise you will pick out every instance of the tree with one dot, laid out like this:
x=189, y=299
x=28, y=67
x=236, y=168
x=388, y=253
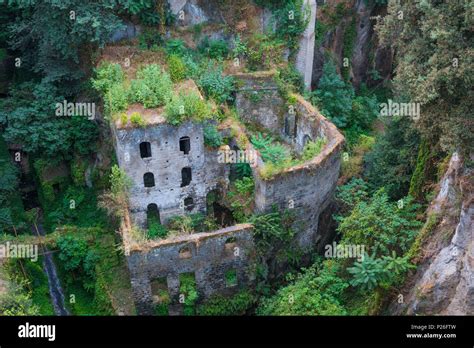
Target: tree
x=380, y=225
x=371, y=272
x=29, y=119
x=15, y=301
x=393, y=159
x=434, y=66
x=338, y=102
x=53, y=36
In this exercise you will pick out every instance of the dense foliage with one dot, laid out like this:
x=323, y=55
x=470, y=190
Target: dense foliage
x=434, y=66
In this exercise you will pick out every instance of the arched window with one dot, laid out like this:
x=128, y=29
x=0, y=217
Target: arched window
x=149, y=179
x=145, y=149
x=152, y=214
x=186, y=176
x=185, y=145
x=188, y=203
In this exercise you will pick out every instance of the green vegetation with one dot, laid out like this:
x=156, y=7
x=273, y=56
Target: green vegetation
x=371, y=273
x=312, y=149
x=152, y=87
x=393, y=159
x=186, y=106
x=191, y=223
x=11, y=206
x=38, y=282
x=337, y=100
x=215, y=85
x=16, y=300
x=137, y=120
x=115, y=200
x=188, y=292
x=150, y=39
x=240, y=198
x=381, y=225
x=316, y=291
x=212, y=137
x=214, y=49
x=38, y=129
x=263, y=52
x=277, y=156
x=439, y=64
x=350, y=34
x=176, y=68
x=237, y=304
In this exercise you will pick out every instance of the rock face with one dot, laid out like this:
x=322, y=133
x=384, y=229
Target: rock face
x=444, y=282
x=366, y=55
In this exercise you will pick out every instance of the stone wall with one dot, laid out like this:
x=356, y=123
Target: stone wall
x=208, y=255
x=166, y=163
x=258, y=100
x=307, y=188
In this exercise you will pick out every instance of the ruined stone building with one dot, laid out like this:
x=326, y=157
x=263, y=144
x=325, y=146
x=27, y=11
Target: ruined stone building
x=173, y=172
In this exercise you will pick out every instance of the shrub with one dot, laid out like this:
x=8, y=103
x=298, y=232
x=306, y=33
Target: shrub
x=107, y=75
x=152, y=88
x=291, y=78
x=176, y=68
x=150, y=39
x=156, y=230
x=371, y=273
x=351, y=193
x=123, y=119
x=223, y=305
x=212, y=137
x=354, y=164
x=115, y=99
x=187, y=106
x=240, y=198
x=137, y=120
x=289, y=28
x=313, y=148
x=381, y=225
x=263, y=52
x=215, y=49
x=270, y=152
x=394, y=157
x=216, y=85
x=240, y=48
x=176, y=46
x=334, y=96
x=78, y=170
x=314, y=292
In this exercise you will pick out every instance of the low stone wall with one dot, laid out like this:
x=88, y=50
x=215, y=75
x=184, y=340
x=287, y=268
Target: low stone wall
x=208, y=255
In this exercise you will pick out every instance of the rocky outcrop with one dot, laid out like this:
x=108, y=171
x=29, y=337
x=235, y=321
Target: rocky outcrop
x=444, y=281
